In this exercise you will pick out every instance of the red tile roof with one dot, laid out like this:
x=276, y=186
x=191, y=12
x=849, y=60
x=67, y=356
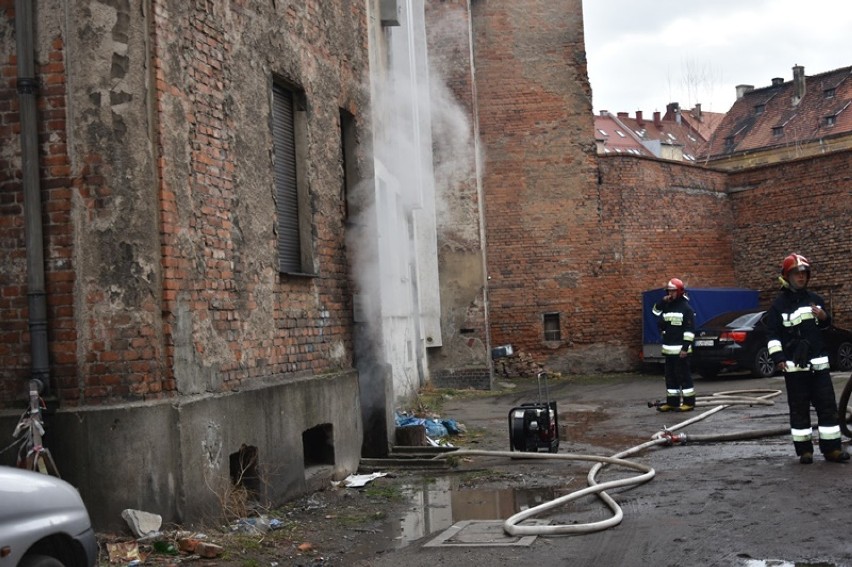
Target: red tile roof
x=657, y=137
x=805, y=109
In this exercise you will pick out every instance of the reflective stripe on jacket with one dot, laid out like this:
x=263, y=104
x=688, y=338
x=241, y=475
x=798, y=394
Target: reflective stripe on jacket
x=794, y=333
x=677, y=324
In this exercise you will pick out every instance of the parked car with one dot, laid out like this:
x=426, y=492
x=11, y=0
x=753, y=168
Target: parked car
x=43, y=522
x=737, y=341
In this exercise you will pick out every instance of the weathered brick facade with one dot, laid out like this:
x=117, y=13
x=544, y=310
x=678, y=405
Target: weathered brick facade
x=209, y=294
x=663, y=219
x=799, y=206
x=171, y=329
x=462, y=358
x=56, y=195
x=542, y=231
x=581, y=237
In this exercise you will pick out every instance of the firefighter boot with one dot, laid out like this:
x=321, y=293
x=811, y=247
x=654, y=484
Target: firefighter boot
x=688, y=403
x=672, y=404
x=806, y=458
x=837, y=456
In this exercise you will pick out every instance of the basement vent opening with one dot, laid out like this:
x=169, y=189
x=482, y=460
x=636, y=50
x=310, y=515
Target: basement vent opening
x=243, y=469
x=318, y=447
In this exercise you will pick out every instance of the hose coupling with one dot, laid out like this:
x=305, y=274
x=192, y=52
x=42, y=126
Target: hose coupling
x=672, y=438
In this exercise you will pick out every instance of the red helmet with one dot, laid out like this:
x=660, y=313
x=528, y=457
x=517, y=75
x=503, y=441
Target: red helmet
x=795, y=263
x=676, y=284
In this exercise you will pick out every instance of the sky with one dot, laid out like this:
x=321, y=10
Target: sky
x=644, y=54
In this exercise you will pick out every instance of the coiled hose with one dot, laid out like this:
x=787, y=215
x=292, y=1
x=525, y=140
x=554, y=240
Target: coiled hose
x=665, y=437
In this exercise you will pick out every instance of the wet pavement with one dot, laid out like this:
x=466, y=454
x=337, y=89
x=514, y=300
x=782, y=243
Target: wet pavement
x=732, y=494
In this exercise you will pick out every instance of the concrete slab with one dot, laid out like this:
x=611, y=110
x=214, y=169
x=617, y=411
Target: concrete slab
x=482, y=533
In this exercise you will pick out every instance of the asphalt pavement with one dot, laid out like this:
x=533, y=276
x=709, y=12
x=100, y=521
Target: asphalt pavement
x=733, y=493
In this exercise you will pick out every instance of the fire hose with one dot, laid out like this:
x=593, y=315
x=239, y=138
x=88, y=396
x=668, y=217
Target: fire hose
x=667, y=436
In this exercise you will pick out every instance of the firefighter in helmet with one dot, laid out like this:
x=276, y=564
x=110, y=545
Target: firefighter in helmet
x=677, y=323
x=796, y=346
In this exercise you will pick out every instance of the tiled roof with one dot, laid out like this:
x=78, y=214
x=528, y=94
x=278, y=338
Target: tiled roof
x=805, y=109
x=615, y=139
x=703, y=122
x=657, y=137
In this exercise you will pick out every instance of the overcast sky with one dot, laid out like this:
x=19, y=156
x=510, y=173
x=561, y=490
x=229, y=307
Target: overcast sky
x=643, y=54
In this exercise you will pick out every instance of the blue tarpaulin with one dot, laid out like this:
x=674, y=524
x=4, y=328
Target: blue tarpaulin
x=434, y=427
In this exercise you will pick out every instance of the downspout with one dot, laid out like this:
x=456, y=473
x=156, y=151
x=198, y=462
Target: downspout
x=32, y=195
x=480, y=195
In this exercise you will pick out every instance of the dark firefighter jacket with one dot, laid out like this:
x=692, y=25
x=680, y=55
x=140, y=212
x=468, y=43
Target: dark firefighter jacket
x=677, y=323
x=794, y=332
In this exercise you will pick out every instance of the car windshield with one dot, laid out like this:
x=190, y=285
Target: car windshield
x=735, y=320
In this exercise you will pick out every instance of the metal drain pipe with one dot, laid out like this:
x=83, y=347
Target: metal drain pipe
x=27, y=87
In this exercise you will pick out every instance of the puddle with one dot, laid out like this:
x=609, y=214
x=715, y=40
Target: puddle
x=437, y=504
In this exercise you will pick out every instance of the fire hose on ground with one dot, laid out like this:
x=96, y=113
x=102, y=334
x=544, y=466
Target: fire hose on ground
x=667, y=436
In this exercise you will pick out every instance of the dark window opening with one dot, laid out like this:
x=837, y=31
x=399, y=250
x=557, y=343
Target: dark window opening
x=778, y=131
x=729, y=143
x=318, y=446
x=830, y=120
x=244, y=471
x=552, y=328
x=292, y=201
x=347, y=154
x=829, y=93
x=759, y=108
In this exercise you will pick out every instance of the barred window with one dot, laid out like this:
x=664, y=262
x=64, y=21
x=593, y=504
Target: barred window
x=552, y=328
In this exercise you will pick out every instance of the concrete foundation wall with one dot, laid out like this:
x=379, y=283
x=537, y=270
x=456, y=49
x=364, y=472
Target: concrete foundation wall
x=173, y=459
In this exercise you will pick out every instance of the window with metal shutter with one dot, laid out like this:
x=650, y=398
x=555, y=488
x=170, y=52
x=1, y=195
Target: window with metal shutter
x=286, y=189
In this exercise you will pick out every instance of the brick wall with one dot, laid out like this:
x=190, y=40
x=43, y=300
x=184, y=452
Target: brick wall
x=229, y=314
x=56, y=200
x=800, y=206
x=542, y=231
x=665, y=219
x=159, y=217
x=463, y=355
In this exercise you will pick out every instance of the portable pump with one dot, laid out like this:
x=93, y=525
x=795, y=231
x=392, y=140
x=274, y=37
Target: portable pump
x=534, y=426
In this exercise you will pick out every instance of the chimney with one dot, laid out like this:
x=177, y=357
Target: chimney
x=657, y=121
x=639, y=120
x=697, y=111
x=799, y=83
x=743, y=89
x=622, y=115
x=777, y=81
x=672, y=107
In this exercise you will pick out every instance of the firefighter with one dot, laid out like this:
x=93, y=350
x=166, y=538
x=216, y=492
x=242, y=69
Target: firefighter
x=677, y=323
x=796, y=346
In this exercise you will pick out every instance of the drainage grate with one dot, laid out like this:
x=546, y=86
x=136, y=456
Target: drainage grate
x=482, y=533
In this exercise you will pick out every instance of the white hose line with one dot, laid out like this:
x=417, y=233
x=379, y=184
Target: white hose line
x=511, y=527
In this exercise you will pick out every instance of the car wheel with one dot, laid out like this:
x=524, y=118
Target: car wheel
x=40, y=561
x=843, y=359
x=763, y=367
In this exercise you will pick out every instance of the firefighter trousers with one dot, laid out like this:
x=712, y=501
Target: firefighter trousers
x=815, y=388
x=678, y=380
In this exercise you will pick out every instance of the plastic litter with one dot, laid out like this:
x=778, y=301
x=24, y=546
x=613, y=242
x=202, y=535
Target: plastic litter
x=359, y=480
